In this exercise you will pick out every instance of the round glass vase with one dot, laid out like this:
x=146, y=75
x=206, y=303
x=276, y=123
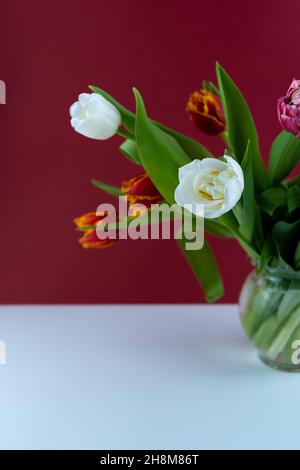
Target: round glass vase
x=270, y=315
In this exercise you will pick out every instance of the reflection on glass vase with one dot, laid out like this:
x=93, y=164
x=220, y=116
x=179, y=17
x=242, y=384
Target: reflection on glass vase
x=270, y=316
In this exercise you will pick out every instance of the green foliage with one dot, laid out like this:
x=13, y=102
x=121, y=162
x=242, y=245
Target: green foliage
x=284, y=155
x=293, y=199
x=286, y=238
x=266, y=220
x=240, y=125
x=251, y=225
x=190, y=146
x=129, y=150
x=272, y=199
x=161, y=156
x=112, y=190
x=205, y=269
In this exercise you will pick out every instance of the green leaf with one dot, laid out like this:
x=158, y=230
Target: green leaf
x=113, y=190
x=285, y=153
x=230, y=222
x=297, y=256
x=210, y=86
x=240, y=125
x=267, y=253
x=214, y=89
x=205, y=269
x=286, y=239
x=193, y=148
x=292, y=182
x=212, y=226
x=129, y=150
x=271, y=199
x=160, y=154
x=293, y=198
x=251, y=226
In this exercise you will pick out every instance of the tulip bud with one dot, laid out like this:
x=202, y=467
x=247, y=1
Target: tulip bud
x=141, y=190
x=93, y=116
x=288, y=108
x=206, y=112
x=89, y=238
x=91, y=218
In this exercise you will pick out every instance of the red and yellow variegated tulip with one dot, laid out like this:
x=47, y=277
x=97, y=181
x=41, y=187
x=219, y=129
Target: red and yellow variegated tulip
x=206, y=112
x=141, y=190
x=89, y=238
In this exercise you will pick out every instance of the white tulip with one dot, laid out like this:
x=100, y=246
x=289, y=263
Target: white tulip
x=210, y=187
x=95, y=117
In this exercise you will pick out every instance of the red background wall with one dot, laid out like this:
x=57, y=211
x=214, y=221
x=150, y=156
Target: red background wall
x=50, y=51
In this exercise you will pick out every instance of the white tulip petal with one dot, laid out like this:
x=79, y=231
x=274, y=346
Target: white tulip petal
x=94, y=109
x=193, y=167
x=211, y=204
x=179, y=196
x=213, y=164
x=214, y=214
x=103, y=104
x=194, y=207
x=75, y=109
x=75, y=121
x=236, y=168
x=96, y=128
x=99, y=99
x=185, y=193
x=84, y=99
x=233, y=192
x=187, y=187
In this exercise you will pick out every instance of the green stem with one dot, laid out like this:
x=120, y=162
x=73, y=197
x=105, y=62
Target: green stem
x=271, y=317
x=281, y=341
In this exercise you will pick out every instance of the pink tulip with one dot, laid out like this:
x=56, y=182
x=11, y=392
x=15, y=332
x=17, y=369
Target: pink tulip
x=288, y=108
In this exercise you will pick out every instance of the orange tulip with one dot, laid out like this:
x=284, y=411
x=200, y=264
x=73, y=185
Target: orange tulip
x=89, y=238
x=88, y=219
x=206, y=112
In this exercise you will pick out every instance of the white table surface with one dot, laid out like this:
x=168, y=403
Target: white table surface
x=139, y=377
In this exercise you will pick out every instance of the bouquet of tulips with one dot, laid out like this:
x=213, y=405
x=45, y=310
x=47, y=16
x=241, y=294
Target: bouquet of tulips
x=239, y=196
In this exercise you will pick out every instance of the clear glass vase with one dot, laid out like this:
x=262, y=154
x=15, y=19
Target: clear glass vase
x=270, y=315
